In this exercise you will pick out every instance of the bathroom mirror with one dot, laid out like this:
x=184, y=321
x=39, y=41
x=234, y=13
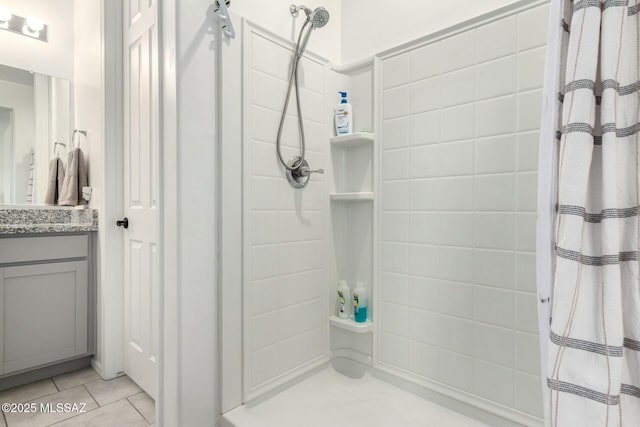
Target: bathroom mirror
x=35, y=113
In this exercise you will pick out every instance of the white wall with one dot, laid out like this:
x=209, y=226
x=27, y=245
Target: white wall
x=87, y=88
x=88, y=102
x=196, y=212
x=360, y=28
x=274, y=16
x=371, y=26
x=460, y=120
x=55, y=57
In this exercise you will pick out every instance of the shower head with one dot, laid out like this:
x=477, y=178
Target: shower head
x=317, y=17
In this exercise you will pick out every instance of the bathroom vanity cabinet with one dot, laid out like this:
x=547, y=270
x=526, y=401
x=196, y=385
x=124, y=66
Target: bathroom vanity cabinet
x=47, y=300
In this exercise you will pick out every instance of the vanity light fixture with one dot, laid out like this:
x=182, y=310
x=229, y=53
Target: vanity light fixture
x=5, y=17
x=35, y=24
x=31, y=26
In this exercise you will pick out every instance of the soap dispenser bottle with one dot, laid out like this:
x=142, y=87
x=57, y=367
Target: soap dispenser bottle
x=360, y=303
x=344, y=116
x=344, y=299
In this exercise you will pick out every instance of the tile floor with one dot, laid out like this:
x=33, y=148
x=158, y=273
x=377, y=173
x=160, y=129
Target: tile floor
x=106, y=403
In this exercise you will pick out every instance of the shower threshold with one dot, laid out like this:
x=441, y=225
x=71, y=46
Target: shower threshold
x=329, y=398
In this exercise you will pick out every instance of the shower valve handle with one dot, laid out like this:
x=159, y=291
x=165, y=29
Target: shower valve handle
x=305, y=171
x=298, y=172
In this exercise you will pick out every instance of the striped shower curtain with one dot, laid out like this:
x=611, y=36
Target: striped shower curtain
x=594, y=345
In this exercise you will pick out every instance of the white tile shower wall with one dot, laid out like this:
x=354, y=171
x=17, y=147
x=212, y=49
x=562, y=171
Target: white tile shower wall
x=460, y=122
x=285, y=276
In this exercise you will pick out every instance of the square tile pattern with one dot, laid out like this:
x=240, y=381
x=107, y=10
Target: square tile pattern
x=284, y=227
x=460, y=124
x=104, y=403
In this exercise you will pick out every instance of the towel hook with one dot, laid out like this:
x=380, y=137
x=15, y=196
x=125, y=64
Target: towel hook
x=80, y=131
x=55, y=147
x=221, y=10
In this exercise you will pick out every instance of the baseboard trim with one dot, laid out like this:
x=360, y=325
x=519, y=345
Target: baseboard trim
x=53, y=370
x=97, y=366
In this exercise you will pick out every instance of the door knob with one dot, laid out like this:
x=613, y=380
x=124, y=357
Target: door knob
x=124, y=222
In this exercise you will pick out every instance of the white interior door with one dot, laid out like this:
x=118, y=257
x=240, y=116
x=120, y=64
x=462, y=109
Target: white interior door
x=141, y=182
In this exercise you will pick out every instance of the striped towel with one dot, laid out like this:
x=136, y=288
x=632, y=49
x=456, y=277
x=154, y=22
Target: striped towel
x=594, y=343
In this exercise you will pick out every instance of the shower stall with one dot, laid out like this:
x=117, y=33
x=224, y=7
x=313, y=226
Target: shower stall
x=430, y=203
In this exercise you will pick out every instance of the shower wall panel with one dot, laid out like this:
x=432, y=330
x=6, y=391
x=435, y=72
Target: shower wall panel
x=459, y=120
x=286, y=297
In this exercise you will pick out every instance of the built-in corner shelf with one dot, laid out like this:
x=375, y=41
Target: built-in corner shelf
x=353, y=139
x=351, y=325
x=351, y=197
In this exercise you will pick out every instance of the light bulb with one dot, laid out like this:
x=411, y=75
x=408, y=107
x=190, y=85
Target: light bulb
x=35, y=24
x=5, y=14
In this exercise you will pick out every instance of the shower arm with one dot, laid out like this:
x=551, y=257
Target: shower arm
x=295, y=10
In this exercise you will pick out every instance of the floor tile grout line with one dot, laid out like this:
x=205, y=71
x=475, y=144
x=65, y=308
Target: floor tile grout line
x=94, y=399
x=136, y=408
x=44, y=395
x=82, y=384
x=140, y=390
x=55, y=385
x=87, y=412
x=53, y=394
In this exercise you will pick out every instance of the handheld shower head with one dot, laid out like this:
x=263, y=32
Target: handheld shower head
x=318, y=17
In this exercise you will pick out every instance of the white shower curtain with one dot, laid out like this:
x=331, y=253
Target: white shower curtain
x=594, y=344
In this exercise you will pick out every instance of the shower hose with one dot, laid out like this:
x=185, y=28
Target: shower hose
x=293, y=80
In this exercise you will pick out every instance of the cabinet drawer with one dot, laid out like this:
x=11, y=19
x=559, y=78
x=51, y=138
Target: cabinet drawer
x=29, y=249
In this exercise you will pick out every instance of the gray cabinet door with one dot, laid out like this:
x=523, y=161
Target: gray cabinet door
x=44, y=310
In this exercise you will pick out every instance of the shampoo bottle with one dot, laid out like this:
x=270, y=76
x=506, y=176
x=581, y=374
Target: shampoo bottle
x=360, y=303
x=344, y=299
x=344, y=116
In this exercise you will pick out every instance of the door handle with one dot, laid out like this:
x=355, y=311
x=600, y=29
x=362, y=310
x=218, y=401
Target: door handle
x=124, y=222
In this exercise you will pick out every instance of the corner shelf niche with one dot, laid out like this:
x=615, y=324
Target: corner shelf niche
x=351, y=325
x=356, y=139
x=351, y=197
x=352, y=202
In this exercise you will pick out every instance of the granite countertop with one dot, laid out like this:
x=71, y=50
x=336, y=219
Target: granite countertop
x=24, y=220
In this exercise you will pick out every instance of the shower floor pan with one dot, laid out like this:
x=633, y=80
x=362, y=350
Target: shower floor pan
x=330, y=399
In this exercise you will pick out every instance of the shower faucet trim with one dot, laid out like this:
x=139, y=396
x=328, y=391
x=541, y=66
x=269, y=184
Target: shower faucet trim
x=300, y=172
